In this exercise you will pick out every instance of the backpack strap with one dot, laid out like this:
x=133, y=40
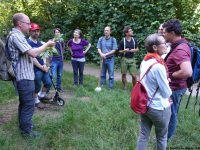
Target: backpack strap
x=101, y=38
x=125, y=43
x=173, y=46
x=150, y=100
x=148, y=70
x=112, y=42
x=7, y=52
x=133, y=42
x=8, y=55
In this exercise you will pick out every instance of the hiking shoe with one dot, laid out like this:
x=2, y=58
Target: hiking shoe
x=40, y=105
x=32, y=135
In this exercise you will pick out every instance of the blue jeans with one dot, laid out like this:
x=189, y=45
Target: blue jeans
x=78, y=68
x=26, y=90
x=57, y=69
x=176, y=98
x=41, y=76
x=108, y=64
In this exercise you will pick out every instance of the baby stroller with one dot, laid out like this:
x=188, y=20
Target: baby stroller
x=57, y=100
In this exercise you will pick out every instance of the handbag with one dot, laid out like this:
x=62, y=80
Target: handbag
x=139, y=96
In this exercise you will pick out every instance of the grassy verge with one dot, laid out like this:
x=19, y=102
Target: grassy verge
x=91, y=121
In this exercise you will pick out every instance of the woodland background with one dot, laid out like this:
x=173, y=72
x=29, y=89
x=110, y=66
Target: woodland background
x=91, y=16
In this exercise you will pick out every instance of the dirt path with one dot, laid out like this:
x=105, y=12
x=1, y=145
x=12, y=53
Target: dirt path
x=94, y=71
x=8, y=111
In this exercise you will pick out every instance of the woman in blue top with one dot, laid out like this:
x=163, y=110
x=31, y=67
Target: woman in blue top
x=77, y=45
x=57, y=59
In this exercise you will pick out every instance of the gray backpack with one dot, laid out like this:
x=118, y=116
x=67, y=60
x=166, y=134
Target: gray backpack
x=6, y=69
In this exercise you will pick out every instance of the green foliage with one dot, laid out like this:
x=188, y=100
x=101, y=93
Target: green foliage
x=7, y=91
x=91, y=16
x=50, y=51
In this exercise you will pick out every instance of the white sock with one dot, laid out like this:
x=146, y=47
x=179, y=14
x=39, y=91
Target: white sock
x=37, y=100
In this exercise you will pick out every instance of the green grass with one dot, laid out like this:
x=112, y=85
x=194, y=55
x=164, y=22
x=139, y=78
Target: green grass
x=94, y=121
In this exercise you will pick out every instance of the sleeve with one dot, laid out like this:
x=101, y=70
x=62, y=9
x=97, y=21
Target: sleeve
x=183, y=54
x=121, y=45
x=163, y=83
x=99, y=43
x=84, y=42
x=114, y=44
x=69, y=43
x=21, y=44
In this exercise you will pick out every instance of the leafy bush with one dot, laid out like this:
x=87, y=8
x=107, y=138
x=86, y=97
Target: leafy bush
x=91, y=16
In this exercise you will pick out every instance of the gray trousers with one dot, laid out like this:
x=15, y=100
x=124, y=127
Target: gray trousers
x=158, y=118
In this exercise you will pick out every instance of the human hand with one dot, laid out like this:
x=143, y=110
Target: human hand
x=103, y=56
x=45, y=68
x=84, y=52
x=126, y=49
x=50, y=43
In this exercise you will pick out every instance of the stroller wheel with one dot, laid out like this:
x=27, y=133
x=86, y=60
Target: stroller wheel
x=60, y=101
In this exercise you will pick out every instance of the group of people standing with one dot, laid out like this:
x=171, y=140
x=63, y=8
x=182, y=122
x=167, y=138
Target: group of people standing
x=107, y=47
x=31, y=70
x=165, y=79
x=42, y=66
x=165, y=82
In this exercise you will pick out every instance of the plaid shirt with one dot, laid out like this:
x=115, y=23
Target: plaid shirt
x=21, y=61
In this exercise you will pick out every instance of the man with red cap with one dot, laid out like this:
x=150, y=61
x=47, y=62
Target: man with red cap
x=40, y=68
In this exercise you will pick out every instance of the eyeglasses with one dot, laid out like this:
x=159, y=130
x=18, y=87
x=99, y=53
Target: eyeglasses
x=28, y=23
x=163, y=43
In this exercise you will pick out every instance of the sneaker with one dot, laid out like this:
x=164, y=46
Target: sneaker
x=32, y=135
x=40, y=105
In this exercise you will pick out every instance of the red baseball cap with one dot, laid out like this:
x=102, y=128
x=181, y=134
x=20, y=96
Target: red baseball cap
x=34, y=26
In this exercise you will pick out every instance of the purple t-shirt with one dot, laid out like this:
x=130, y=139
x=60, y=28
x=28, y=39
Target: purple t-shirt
x=179, y=55
x=77, y=49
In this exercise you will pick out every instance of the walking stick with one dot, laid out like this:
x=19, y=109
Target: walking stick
x=98, y=88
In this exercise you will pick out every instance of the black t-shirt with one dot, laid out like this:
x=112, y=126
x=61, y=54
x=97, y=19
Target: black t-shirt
x=131, y=45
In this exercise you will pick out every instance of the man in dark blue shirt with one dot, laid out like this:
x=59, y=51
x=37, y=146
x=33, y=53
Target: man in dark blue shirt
x=127, y=48
x=40, y=68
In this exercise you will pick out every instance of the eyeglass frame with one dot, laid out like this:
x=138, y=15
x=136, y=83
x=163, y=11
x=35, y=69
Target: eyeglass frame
x=25, y=22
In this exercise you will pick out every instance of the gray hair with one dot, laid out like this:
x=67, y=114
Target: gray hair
x=153, y=39
x=17, y=17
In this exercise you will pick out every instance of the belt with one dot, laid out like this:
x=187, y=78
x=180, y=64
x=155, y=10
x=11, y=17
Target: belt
x=110, y=57
x=128, y=57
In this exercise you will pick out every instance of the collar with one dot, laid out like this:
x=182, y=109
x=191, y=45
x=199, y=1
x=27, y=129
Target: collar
x=18, y=31
x=33, y=40
x=107, y=38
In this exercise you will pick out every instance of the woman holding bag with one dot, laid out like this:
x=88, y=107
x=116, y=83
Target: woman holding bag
x=158, y=90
